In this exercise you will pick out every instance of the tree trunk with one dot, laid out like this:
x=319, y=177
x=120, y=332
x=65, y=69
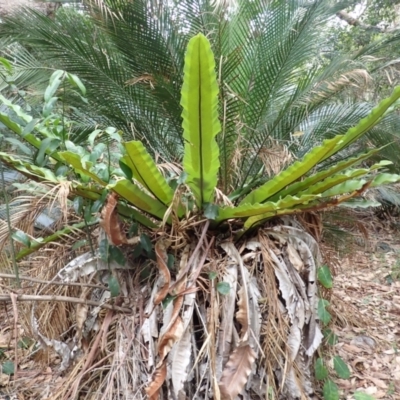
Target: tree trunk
x=213, y=318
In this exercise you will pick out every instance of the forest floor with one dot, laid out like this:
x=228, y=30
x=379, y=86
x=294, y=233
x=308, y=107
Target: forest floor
x=365, y=312
x=366, y=300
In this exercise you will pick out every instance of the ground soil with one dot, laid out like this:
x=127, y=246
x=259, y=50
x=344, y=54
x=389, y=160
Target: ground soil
x=366, y=306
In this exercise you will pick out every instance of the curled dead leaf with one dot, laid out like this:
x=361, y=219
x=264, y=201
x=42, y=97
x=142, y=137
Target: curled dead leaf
x=110, y=221
x=153, y=390
x=162, y=257
x=236, y=372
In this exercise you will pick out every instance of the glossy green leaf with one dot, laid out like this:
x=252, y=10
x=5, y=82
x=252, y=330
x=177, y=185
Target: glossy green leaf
x=330, y=391
x=135, y=195
x=114, y=286
x=117, y=255
x=323, y=313
x=321, y=372
x=325, y=277
x=248, y=210
x=146, y=243
x=291, y=174
x=341, y=368
x=80, y=167
x=145, y=171
x=199, y=100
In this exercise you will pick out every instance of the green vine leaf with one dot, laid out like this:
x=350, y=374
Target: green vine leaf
x=323, y=313
x=325, y=277
x=341, y=368
x=321, y=372
x=330, y=391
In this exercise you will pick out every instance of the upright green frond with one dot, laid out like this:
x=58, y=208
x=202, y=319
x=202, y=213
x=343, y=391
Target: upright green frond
x=146, y=172
x=200, y=119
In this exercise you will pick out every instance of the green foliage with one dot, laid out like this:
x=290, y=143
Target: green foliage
x=363, y=396
x=341, y=368
x=145, y=171
x=321, y=372
x=223, y=288
x=325, y=277
x=323, y=313
x=200, y=120
x=114, y=286
x=7, y=368
x=330, y=390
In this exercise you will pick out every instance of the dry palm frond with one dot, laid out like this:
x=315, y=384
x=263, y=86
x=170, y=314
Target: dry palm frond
x=275, y=157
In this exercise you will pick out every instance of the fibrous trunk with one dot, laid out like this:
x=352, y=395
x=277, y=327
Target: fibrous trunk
x=211, y=318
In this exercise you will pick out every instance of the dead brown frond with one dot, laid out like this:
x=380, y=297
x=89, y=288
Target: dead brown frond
x=358, y=79
x=146, y=79
x=275, y=156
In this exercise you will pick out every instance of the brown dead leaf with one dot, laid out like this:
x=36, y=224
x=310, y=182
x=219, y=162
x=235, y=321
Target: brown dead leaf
x=110, y=221
x=170, y=337
x=236, y=372
x=153, y=390
x=161, y=254
x=242, y=313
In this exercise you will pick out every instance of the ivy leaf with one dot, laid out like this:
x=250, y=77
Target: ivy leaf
x=223, y=287
x=146, y=243
x=321, y=372
x=341, y=368
x=114, y=287
x=117, y=255
x=325, y=277
x=8, y=368
x=170, y=261
x=330, y=391
x=137, y=251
